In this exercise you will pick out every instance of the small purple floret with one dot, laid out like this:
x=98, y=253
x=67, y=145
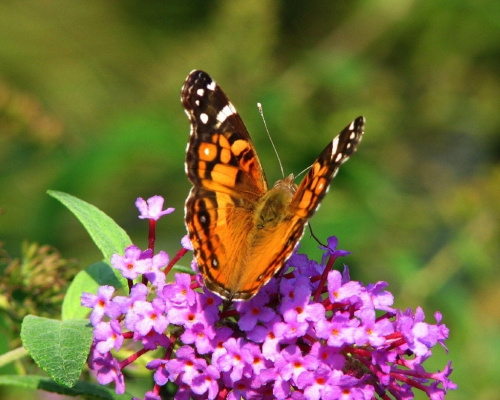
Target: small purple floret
x=152, y=208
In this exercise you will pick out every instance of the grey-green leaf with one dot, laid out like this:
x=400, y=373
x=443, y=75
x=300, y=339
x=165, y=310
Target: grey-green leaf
x=60, y=348
x=109, y=237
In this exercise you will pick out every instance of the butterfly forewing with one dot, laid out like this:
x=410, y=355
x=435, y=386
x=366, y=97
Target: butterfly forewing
x=220, y=154
x=242, y=234
x=316, y=183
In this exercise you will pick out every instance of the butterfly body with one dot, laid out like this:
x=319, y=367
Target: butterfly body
x=272, y=206
x=242, y=233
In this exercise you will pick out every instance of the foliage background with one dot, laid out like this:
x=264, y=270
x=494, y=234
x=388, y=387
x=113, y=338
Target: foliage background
x=89, y=105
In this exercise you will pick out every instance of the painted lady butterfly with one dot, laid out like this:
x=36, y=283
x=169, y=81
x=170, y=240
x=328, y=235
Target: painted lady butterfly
x=243, y=233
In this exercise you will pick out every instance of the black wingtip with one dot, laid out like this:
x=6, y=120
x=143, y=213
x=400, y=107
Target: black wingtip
x=360, y=121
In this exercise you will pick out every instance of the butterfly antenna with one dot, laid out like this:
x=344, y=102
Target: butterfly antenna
x=314, y=236
x=304, y=170
x=259, y=106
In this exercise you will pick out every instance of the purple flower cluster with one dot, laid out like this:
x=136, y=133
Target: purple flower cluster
x=310, y=334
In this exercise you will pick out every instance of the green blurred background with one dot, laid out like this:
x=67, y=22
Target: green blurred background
x=89, y=105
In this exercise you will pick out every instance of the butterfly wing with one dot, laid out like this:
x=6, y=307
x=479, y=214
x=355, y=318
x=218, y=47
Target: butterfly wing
x=276, y=244
x=316, y=183
x=220, y=155
x=227, y=178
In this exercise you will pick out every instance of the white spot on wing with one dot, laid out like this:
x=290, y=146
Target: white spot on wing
x=200, y=92
x=231, y=107
x=204, y=118
x=227, y=111
x=211, y=86
x=335, y=144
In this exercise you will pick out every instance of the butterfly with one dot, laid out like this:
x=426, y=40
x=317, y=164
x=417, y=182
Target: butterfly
x=242, y=232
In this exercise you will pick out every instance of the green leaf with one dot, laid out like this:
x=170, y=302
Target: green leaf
x=89, y=280
x=183, y=269
x=109, y=237
x=87, y=389
x=60, y=348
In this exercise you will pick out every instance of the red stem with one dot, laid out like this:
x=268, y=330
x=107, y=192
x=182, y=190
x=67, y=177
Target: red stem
x=177, y=257
x=324, y=277
x=409, y=381
x=152, y=234
x=132, y=358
